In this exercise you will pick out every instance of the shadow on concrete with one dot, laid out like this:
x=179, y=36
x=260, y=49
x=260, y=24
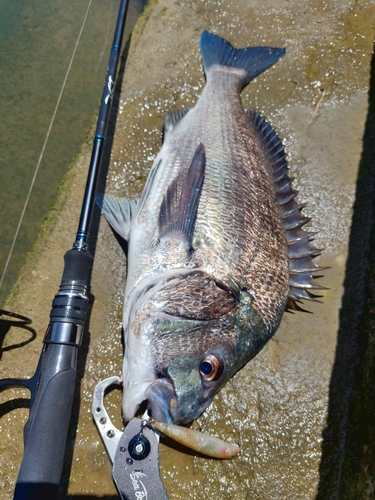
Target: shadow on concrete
x=347, y=469
x=10, y=320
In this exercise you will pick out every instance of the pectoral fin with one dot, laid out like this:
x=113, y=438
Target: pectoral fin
x=178, y=211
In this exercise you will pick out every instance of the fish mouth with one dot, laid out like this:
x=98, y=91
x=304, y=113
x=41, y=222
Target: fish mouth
x=160, y=395
x=162, y=399
x=133, y=398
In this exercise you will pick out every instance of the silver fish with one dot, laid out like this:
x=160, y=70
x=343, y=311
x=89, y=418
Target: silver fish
x=216, y=249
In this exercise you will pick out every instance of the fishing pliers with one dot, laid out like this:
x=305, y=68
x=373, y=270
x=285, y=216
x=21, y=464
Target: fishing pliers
x=134, y=453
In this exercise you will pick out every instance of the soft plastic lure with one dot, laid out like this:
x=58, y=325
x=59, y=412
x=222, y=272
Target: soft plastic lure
x=198, y=441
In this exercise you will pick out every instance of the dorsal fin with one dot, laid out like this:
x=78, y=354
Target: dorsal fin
x=301, y=252
x=178, y=210
x=171, y=120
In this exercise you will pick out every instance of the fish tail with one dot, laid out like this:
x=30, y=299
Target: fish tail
x=252, y=61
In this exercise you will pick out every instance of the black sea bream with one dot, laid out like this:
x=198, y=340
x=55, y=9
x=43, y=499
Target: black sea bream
x=216, y=249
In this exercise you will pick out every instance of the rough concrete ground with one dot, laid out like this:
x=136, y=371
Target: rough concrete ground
x=302, y=409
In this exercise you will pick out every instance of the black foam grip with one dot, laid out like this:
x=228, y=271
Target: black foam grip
x=78, y=266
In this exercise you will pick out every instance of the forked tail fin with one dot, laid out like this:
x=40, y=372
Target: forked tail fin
x=250, y=61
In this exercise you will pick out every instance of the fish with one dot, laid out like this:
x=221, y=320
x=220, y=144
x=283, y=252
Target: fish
x=216, y=249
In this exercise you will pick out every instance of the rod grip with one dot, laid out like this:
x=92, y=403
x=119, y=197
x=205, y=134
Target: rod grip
x=78, y=266
x=47, y=431
x=71, y=302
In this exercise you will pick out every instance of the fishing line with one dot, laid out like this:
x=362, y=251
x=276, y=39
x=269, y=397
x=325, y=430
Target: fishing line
x=44, y=145
x=106, y=37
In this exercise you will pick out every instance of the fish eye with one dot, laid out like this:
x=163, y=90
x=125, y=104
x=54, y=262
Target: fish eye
x=211, y=367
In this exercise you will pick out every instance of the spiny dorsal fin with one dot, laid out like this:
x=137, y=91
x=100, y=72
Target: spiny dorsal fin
x=118, y=212
x=171, y=120
x=301, y=253
x=179, y=207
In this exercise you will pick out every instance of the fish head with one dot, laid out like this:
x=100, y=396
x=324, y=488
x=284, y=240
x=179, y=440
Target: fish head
x=190, y=384
x=178, y=371
x=182, y=363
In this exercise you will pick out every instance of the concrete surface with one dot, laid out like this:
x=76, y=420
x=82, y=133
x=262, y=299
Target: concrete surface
x=303, y=409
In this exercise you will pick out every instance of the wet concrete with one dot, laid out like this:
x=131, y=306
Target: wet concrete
x=302, y=409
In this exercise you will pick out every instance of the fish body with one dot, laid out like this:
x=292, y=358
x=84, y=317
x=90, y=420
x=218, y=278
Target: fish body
x=216, y=249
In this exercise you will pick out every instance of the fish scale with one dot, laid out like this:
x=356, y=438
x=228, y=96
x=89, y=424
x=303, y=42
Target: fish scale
x=219, y=203
x=216, y=245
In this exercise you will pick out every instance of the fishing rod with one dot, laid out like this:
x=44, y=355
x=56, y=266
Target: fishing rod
x=53, y=385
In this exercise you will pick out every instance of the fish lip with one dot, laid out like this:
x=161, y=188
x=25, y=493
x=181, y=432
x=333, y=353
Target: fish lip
x=162, y=396
x=132, y=399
